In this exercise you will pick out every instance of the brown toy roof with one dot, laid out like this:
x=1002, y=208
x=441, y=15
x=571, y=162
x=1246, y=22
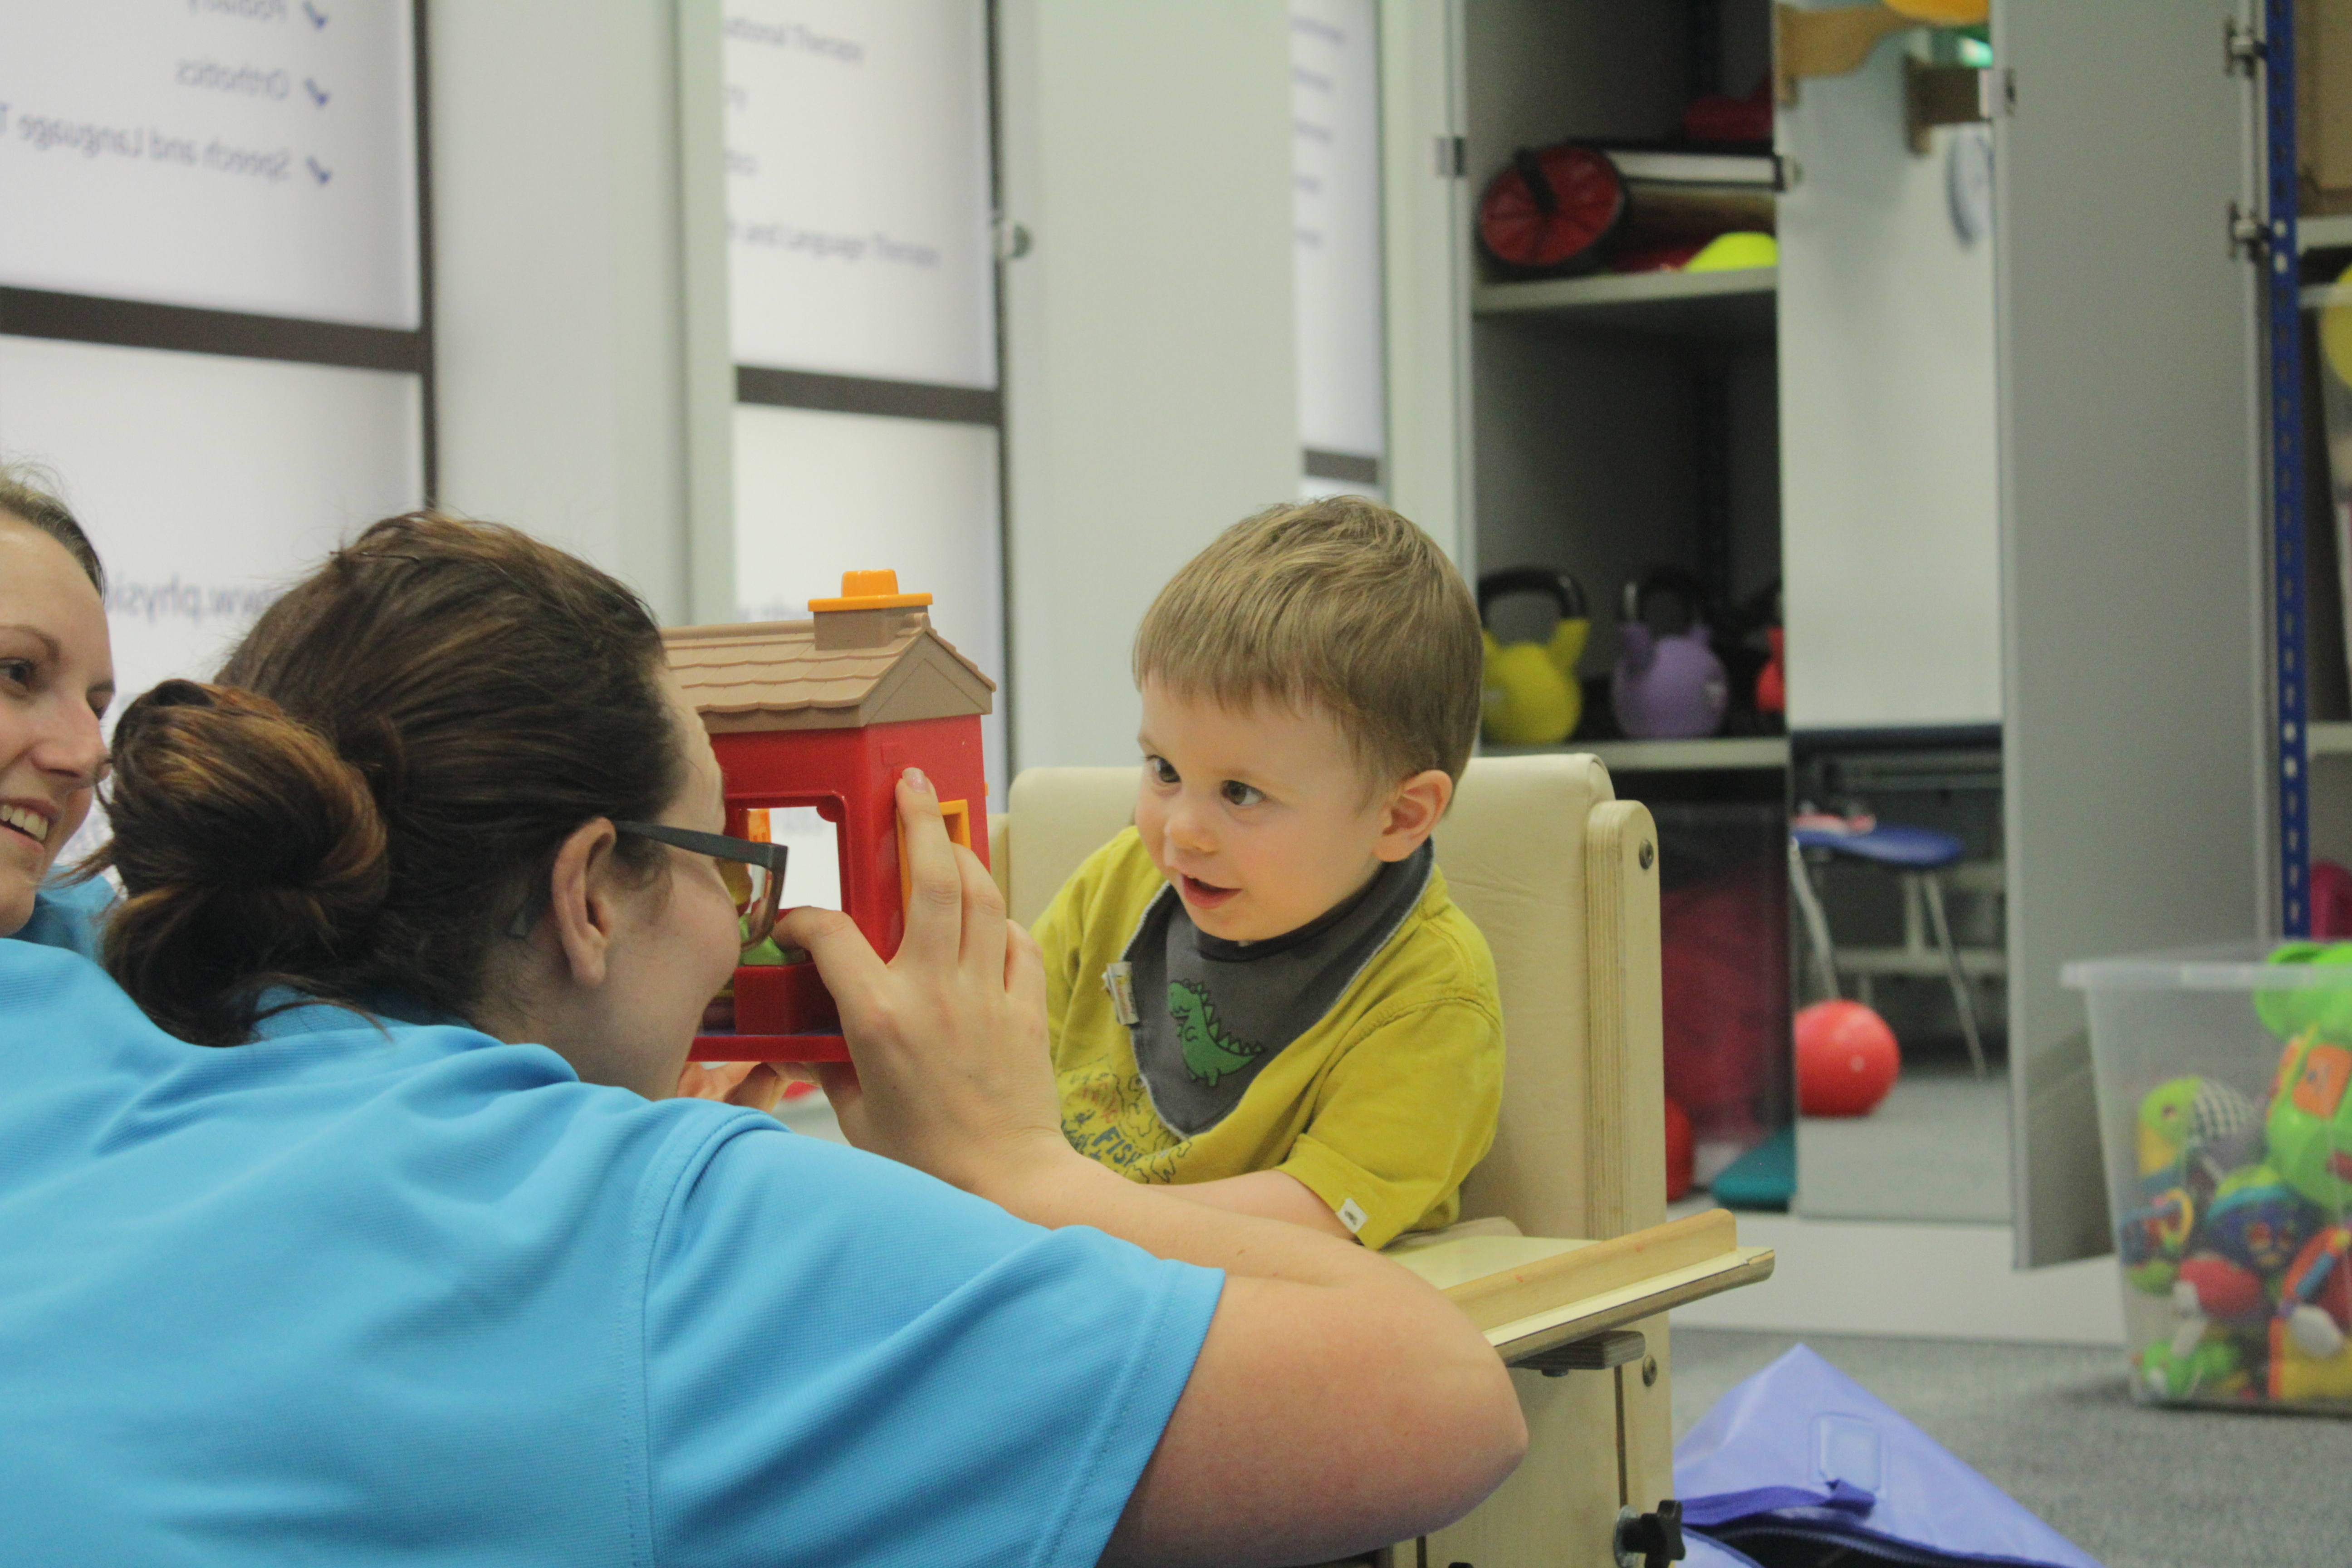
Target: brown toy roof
x=842, y=669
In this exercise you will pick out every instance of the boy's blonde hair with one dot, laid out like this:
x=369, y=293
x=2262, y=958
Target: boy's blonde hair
x=1340, y=604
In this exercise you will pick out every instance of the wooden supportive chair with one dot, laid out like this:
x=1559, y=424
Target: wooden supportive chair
x=1562, y=878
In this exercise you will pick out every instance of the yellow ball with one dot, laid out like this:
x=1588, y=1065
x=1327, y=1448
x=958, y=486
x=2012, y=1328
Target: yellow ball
x=2336, y=329
x=1733, y=252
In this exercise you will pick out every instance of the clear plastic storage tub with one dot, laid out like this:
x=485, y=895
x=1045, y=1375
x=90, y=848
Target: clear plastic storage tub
x=2226, y=1124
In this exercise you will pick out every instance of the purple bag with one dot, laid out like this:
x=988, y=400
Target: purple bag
x=1800, y=1461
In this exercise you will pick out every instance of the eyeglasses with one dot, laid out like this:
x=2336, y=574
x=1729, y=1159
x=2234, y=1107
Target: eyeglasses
x=753, y=873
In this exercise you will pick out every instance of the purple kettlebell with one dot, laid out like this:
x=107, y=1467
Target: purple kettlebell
x=1666, y=686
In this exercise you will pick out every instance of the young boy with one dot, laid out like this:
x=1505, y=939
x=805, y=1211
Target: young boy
x=1261, y=991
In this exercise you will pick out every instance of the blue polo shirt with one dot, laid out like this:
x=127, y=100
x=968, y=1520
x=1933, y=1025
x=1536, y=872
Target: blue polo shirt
x=365, y=1292
x=67, y=915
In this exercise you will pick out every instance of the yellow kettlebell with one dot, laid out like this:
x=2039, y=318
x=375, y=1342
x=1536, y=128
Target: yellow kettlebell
x=1533, y=697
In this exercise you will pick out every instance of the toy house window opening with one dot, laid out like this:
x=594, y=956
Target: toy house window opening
x=811, y=826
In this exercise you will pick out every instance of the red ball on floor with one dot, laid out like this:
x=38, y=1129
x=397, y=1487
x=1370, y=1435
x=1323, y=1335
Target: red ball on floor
x=1847, y=1059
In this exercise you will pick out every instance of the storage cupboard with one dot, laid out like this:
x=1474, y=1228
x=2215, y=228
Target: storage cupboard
x=2014, y=484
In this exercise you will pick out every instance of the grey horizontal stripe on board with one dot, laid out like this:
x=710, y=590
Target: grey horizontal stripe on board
x=1343, y=465
x=138, y=323
x=866, y=394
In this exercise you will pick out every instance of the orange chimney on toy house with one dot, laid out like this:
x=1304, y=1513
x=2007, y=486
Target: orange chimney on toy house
x=828, y=713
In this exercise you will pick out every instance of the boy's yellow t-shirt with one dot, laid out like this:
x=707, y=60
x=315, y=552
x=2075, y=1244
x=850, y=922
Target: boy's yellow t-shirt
x=1380, y=1108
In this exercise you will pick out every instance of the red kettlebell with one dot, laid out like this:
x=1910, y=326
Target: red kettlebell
x=1847, y=1059
x=1682, y=1151
x=1772, y=682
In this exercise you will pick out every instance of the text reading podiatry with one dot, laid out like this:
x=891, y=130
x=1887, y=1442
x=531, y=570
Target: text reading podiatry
x=252, y=155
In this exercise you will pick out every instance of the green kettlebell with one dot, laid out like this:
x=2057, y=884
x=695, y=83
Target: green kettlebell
x=1532, y=695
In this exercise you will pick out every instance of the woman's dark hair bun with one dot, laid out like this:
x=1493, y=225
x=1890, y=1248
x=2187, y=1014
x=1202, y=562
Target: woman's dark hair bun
x=247, y=846
x=383, y=777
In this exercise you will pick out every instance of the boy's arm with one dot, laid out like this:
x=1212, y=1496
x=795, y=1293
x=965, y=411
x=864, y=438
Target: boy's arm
x=1403, y=1116
x=1269, y=1195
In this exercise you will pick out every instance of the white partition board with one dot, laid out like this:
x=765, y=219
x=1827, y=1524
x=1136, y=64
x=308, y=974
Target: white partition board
x=1425, y=258
x=858, y=205
x=254, y=155
x=819, y=494
x=1889, y=461
x=1152, y=395
x=1335, y=131
x=206, y=483
x=573, y=345
x=2135, y=716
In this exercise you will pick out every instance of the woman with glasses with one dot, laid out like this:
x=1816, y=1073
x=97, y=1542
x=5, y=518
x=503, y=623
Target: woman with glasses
x=350, y=1228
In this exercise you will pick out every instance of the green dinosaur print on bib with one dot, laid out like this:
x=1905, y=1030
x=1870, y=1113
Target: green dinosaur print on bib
x=1209, y=1052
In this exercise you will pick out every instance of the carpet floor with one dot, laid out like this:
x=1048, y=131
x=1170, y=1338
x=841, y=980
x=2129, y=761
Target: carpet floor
x=1936, y=1149
x=2054, y=1427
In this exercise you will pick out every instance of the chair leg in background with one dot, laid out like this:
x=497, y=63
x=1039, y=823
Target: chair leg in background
x=1817, y=924
x=1963, y=1000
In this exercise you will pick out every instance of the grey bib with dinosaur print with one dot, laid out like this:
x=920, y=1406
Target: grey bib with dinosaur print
x=1206, y=1014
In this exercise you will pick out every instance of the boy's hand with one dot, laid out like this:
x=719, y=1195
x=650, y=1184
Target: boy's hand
x=760, y=1084
x=951, y=1069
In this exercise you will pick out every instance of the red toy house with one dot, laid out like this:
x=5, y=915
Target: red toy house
x=827, y=713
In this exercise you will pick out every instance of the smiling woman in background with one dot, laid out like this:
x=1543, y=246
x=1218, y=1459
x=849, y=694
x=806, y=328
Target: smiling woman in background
x=56, y=676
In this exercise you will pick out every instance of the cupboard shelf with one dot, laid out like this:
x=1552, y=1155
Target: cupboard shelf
x=1735, y=305
x=1716, y=753
x=2328, y=739
x=2324, y=233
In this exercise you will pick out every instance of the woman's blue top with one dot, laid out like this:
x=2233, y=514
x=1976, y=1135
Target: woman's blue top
x=67, y=915
x=366, y=1291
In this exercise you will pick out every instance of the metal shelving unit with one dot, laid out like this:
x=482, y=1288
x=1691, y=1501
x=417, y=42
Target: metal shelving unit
x=2289, y=558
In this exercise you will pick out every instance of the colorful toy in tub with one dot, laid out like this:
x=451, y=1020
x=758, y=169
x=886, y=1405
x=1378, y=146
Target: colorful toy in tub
x=2191, y=1130
x=2296, y=1374
x=2307, y=1131
x=2257, y=1221
x=2196, y=1122
x=2153, y=1240
x=2300, y=1198
x=2211, y=1367
x=2220, y=1291
x=2309, y=1128
x=2323, y=1010
x=2314, y=1298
